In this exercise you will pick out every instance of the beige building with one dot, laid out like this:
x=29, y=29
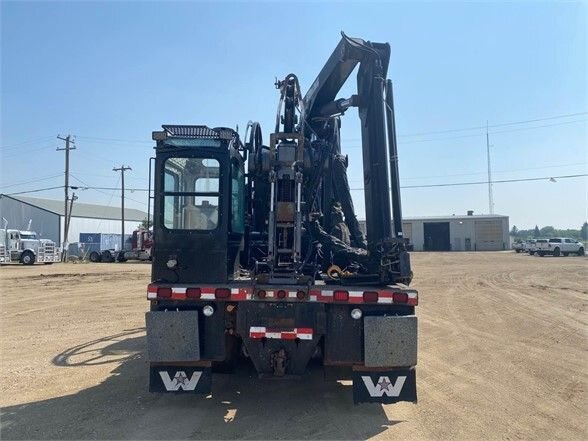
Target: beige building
x=485, y=232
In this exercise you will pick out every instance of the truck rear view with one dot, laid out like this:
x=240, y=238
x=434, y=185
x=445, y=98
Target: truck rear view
x=257, y=249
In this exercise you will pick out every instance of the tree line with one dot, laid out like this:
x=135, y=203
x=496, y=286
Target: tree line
x=549, y=231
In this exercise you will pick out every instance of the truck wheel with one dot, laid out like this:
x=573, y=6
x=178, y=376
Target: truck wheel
x=27, y=258
x=581, y=251
x=94, y=257
x=121, y=257
x=107, y=256
x=517, y=251
x=556, y=252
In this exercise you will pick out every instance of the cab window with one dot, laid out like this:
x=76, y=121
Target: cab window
x=191, y=193
x=237, y=199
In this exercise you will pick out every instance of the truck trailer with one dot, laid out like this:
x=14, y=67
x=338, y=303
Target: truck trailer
x=258, y=254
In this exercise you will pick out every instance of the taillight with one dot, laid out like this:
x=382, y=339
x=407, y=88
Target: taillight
x=282, y=294
x=193, y=293
x=164, y=293
x=341, y=296
x=300, y=295
x=261, y=294
x=400, y=297
x=222, y=293
x=370, y=296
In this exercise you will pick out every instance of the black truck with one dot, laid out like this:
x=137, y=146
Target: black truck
x=258, y=253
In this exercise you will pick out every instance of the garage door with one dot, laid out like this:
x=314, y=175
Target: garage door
x=489, y=236
x=407, y=231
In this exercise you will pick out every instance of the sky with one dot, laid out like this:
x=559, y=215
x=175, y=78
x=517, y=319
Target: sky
x=109, y=73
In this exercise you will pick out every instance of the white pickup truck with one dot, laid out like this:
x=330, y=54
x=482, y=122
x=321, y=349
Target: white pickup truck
x=558, y=246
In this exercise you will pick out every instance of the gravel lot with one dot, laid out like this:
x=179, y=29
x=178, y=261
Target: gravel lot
x=503, y=355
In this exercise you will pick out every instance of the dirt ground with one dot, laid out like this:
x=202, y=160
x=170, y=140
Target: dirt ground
x=502, y=355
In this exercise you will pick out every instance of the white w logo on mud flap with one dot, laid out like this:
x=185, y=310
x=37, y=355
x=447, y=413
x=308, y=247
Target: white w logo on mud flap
x=180, y=380
x=383, y=386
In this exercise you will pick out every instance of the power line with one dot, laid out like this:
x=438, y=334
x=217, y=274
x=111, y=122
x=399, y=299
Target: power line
x=455, y=184
x=34, y=191
x=436, y=132
x=408, y=135
x=30, y=141
x=479, y=135
x=30, y=182
x=451, y=184
x=117, y=140
x=497, y=171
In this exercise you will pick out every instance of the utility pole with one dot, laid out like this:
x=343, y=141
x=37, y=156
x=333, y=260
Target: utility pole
x=69, y=145
x=490, y=196
x=71, y=201
x=122, y=170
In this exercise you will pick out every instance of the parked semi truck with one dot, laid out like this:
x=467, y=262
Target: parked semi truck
x=26, y=247
x=257, y=249
x=105, y=247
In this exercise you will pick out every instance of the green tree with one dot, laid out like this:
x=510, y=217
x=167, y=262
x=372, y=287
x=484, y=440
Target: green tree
x=584, y=231
x=537, y=232
x=145, y=224
x=514, y=231
x=548, y=231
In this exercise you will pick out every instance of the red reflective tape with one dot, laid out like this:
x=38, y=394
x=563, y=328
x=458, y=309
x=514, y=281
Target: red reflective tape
x=257, y=335
x=289, y=336
x=304, y=330
x=241, y=295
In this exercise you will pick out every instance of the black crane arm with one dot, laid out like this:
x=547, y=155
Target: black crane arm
x=374, y=100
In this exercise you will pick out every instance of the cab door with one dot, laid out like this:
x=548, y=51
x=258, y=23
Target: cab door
x=191, y=216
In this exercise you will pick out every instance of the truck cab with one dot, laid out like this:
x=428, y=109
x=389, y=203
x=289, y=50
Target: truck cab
x=26, y=247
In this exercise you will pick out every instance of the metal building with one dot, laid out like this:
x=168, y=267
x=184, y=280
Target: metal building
x=48, y=219
x=485, y=232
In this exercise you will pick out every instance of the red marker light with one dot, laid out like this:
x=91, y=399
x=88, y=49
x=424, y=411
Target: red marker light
x=193, y=293
x=164, y=293
x=341, y=296
x=370, y=296
x=222, y=293
x=300, y=295
x=282, y=294
x=400, y=297
x=261, y=294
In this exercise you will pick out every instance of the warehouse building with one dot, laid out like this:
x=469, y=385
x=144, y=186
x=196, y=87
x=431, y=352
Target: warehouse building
x=47, y=217
x=486, y=232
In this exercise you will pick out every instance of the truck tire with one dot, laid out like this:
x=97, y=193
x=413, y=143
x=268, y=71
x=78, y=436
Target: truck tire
x=581, y=251
x=95, y=257
x=517, y=251
x=107, y=256
x=121, y=257
x=556, y=252
x=27, y=258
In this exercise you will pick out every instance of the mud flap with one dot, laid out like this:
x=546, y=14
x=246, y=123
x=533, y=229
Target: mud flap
x=178, y=379
x=384, y=386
